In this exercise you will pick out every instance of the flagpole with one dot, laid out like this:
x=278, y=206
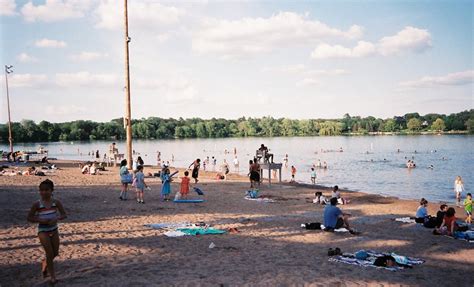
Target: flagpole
x=128, y=111
x=8, y=70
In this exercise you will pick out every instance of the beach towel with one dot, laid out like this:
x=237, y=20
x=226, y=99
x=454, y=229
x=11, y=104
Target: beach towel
x=260, y=199
x=169, y=225
x=188, y=200
x=405, y=220
x=174, y=233
x=351, y=259
x=200, y=231
x=465, y=235
x=336, y=230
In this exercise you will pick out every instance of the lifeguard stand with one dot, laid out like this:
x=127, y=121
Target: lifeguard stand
x=265, y=164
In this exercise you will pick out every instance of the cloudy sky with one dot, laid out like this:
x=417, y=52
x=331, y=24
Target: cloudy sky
x=297, y=59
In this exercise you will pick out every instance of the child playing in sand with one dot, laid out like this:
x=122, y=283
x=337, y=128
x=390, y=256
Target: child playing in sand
x=313, y=176
x=184, y=190
x=45, y=213
x=166, y=187
x=140, y=184
x=319, y=198
x=293, y=173
x=468, y=207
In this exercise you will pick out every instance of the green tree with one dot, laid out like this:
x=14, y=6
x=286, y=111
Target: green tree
x=390, y=125
x=470, y=125
x=438, y=125
x=414, y=124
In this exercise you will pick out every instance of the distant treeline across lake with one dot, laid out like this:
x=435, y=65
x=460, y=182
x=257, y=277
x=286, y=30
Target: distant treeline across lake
x=159, y=128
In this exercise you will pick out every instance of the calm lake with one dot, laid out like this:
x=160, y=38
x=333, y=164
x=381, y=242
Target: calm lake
x=367, y=163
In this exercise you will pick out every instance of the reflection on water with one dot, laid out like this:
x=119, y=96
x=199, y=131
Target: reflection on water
x=368, y=163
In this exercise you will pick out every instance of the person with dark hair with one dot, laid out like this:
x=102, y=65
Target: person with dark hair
x=254, y=173
x=195, y=173
x=47, y=212
x=440, y=214
x=125, y=179
x=421, y=212
x=334, y=218
x=140, y=184
x=449, y=226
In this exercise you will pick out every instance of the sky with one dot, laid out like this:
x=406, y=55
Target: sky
x=296, y=59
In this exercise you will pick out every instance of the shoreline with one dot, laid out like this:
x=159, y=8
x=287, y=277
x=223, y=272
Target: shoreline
x=104, y=241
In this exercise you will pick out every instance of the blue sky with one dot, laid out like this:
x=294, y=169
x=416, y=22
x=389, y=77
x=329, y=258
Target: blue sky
x=297, y=59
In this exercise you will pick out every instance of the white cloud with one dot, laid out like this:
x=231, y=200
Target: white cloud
x=163, y=37
x=7, y=7
x=88, y=56
x=65, y=110
x=26, y=80
x=453, y=79
x=409, y=39
x=308, y=82
x=86, y=80
x=48, y=43
x=145, y=14
x=257, y=35
x=55, y=10
x=25, y=58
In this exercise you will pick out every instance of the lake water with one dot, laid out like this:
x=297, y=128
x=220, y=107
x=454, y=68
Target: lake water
x=367, y=163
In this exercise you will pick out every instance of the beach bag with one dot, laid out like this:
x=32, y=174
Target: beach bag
x=313, y=226
x=127, y=178
x=177, y=196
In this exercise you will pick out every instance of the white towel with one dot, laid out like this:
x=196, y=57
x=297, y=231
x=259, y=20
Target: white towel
x=405, y=220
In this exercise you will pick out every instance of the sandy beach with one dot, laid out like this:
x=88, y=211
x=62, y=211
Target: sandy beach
x=104, y=241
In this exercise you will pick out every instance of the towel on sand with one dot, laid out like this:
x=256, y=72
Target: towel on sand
x=169, y=225
x=405, y=220
x=260, y=199
x=349, y=258
x=193, y=232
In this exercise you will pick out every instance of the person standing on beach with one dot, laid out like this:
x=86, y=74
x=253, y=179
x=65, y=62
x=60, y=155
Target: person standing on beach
x=236, y=164
x=313, y=176
x=468, y=208
x=184, y=190
x=293, y=173
x=124, y=179
x=140, y=184
x=47, y=212
x=97, y=155
x=195, y=173
x=254, y=173
x=225, y=169
x=166, y=187
x=458, y=189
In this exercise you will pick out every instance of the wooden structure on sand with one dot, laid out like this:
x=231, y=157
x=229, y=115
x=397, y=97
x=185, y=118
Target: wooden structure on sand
x=270, y=166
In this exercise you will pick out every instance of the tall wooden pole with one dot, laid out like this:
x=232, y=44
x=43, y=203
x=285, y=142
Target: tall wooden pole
x=10, y=138
x=128, y=110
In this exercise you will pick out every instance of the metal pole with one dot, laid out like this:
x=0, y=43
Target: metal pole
x=128, y=111
x=10, y=138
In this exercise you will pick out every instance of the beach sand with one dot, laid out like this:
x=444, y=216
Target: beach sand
x=104, y=241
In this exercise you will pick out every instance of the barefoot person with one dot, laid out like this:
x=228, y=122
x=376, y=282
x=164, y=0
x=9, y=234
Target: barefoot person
x=195, y=173
x=254, y=173
x=125, y=179
x=334, y=218
x=47, y=212
x=458, y=188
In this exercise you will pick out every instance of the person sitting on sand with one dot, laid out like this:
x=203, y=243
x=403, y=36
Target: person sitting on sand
x=335, y=193
x=319, y=198
x=30, y=171
x=93, y=169
x=334, y=218
x=440, y=214
x=86, y=168
x=47, y=212
x=449, y=226
x=421, y=212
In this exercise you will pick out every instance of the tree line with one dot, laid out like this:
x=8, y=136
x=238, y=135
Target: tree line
x=159, y=128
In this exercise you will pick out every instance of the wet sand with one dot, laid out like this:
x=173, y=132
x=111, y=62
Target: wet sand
x=104, y=242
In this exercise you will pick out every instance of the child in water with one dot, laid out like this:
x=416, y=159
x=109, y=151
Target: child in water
x=47, y=212
x=166, y=187
x=184, y=190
